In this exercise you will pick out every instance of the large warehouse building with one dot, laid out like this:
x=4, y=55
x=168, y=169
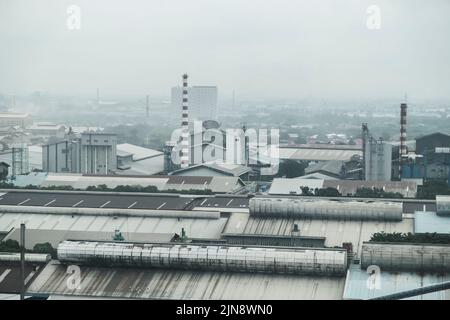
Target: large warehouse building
x=161, y=246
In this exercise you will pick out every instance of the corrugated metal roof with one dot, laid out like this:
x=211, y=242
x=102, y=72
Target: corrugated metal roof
x=318, y=175
x=407, y=188
x=184, y=284
x=317, y=154
x=79, y=181
x=147, y=166
x=138, y=152
x=285, y=186
x=54, y=237
x=229, y=169
x=356, y=286
x=195, y=228
x=336, y=232
x=293, y=186
x=333, y=167
x=189, y=180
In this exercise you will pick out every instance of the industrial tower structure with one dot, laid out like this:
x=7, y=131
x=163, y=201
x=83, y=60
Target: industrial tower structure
x=403, y=149
x=185, y=125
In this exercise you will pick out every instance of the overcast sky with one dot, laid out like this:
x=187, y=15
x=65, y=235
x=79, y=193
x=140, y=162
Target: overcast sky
x=260, y=48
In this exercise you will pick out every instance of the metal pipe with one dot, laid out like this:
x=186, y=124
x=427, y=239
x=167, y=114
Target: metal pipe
x=22, y=261
x=415, y=292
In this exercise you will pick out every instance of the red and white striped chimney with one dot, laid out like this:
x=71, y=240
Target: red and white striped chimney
x=403, y=149
x=185, y=125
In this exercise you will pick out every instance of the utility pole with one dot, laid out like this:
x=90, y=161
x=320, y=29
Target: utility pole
x=22, y=261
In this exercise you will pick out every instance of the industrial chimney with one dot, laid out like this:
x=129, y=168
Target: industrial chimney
x=403, y=150
x=185, y=125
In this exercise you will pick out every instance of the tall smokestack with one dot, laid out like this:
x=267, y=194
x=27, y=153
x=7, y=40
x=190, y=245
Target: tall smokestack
x=185, y=125
x=365, y=137
x=402, y=151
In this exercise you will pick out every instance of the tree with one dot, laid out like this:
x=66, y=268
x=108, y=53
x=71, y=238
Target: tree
x=376, y=193
x=306, y=191
x=411, y=238
x=291, y=169
x=10, y=246
x=327, y=192
x=45, y=248
x=430, y=189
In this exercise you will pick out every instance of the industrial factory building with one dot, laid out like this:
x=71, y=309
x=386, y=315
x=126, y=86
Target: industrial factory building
x=10, y=119
x=318, y=152
x=293, y=186
x=157, y=246
x=431, y=159
x=78, y=181
x=91, y=153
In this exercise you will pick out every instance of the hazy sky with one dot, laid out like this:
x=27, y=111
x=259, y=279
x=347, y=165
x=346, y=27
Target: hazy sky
x=260, y=48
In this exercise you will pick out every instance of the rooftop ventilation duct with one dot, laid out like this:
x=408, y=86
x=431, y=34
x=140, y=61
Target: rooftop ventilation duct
x=406, y=257
x=326, y=209
x=326, y=262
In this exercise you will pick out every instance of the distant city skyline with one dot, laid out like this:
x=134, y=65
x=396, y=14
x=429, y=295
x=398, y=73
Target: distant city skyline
x=273, y=50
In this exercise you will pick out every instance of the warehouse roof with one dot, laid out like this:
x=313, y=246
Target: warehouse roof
x=54, y=237
x=223, y=168
x=336, y=232
x=319, y=175
x=138, y=152
x=333, y=167
x=81, y=181
x=13, y=115
x=132, y=228
x=284, y=186
x=106, y=200
x=317, y=154
x=186, y=284
x=146, y=166
x=349, y=187
x=10, y=275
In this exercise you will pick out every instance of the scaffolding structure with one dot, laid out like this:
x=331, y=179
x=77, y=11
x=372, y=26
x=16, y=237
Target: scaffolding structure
x=20, y=162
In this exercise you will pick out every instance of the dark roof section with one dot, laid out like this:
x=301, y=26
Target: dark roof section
x=433, y=135
x=101, y=200
x=188, y=180
x=10, y=275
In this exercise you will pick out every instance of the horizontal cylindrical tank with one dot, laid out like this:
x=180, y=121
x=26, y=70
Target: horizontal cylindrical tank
x=29, y=257
x=443, y=205
x=112, y=212
x=326, y=209
x=406, y=257
x=326, y=262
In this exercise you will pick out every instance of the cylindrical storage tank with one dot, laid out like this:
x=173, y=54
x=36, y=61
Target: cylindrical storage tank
x=406, y=257
x=326, y=262
x=443, y=205
x=326, y=209
x=29, y=257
